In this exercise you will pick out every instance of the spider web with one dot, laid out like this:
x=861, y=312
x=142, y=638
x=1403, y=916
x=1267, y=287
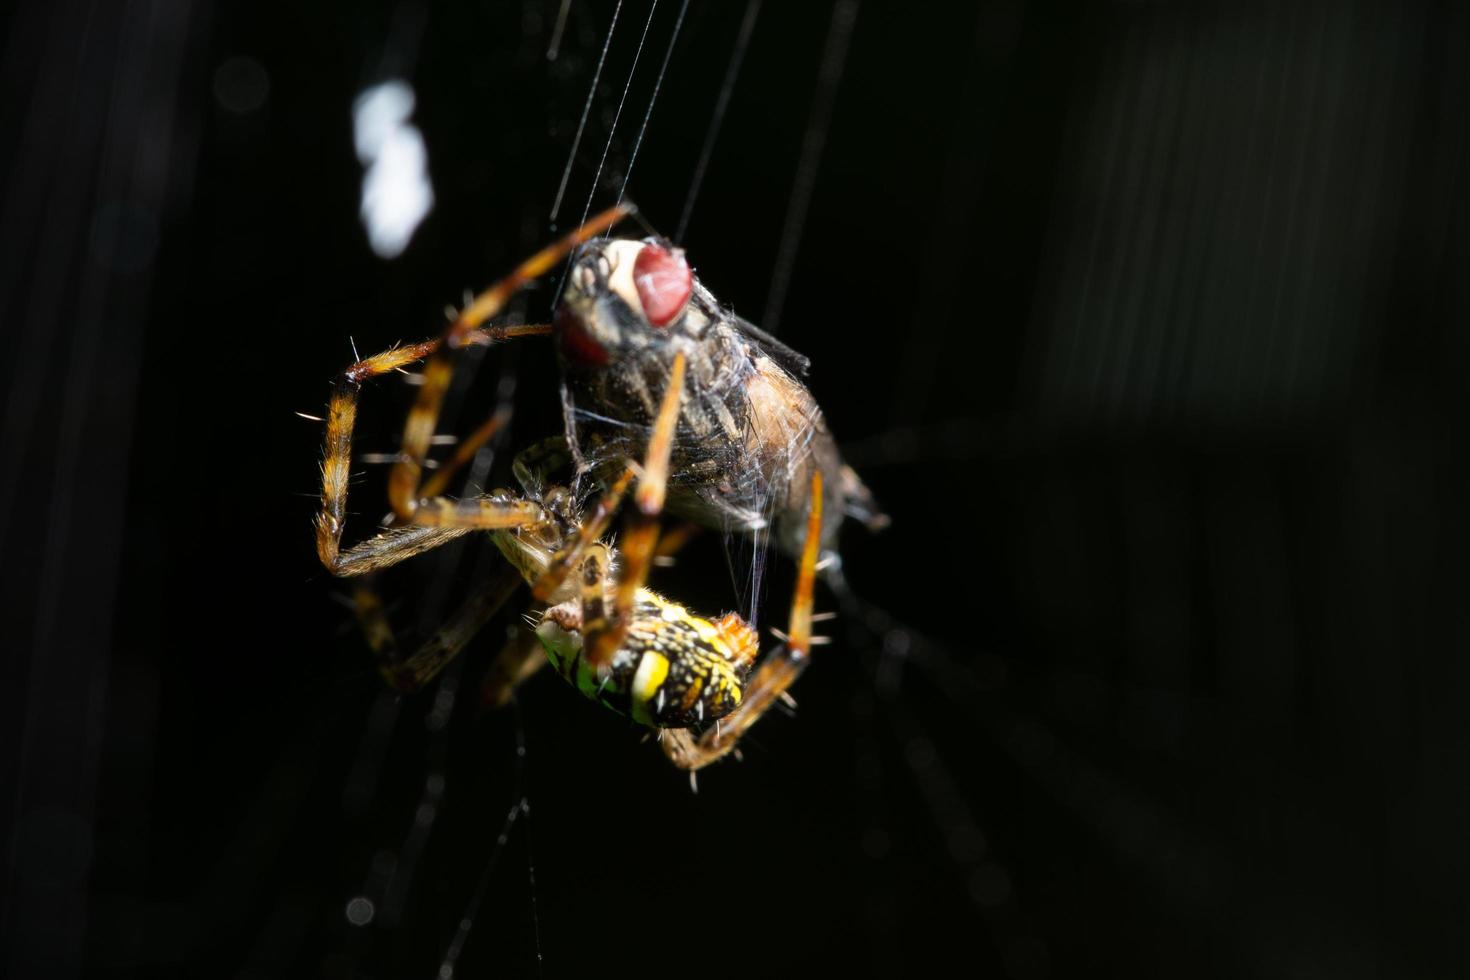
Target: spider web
x=885, y=718
x=1137, y=318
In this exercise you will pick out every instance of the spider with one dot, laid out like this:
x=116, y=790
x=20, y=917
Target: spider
x=621, y=644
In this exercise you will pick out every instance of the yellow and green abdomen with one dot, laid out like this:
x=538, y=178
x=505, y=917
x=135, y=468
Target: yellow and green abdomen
x=674, y=670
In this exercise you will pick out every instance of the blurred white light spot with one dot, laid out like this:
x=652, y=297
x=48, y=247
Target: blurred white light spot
x=395, y=186
x=360, y=911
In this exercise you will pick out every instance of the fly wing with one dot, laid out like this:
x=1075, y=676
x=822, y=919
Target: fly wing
x=794, y=362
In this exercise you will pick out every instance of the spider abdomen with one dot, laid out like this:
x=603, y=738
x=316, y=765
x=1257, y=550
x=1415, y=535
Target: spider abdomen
x=674, y=670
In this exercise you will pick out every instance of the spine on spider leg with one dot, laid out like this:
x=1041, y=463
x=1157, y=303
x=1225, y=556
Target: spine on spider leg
x=336, y=466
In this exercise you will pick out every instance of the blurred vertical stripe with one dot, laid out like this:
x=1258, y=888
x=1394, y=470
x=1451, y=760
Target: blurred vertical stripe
x=94, y=166
x=1228, y=211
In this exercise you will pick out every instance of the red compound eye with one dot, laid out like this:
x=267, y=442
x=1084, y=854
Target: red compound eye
x=664, y=283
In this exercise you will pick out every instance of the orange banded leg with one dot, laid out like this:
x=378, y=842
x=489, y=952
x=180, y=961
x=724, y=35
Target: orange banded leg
x=397, y=544
x=775, y=674
x=418, y=431
x=481, y=513
x=388, y=548
x=640, y=535
x=440, y=521
x=464, y=452
x=592, y=593
x=404, y=490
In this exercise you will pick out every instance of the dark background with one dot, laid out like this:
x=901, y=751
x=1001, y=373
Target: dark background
x=1145, y=321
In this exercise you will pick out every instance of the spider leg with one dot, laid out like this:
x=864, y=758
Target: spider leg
x=775, y=674
x=465, y=451
x=435, y=653
x=594, y=526
x=640, y=534
x=593, y=591
x=404, y=491
x=404, y=481
x=387, y=548
x=443, y=520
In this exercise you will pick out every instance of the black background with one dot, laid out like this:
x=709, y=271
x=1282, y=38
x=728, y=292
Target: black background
x=1143, y=320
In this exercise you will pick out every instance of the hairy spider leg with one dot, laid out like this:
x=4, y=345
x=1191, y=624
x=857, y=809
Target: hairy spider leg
x=435, y=519
x=592, y=587
x=465, y=451
x=441, y=519
x=404, y=492
x=775, y=674
x=395, y=544
x=521, y=657
x=640, y=534
x=404, y=480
